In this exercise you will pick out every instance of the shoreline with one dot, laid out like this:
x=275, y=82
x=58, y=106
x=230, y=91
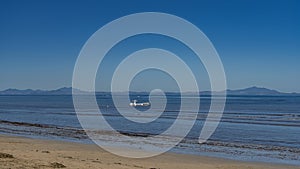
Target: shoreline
x=23, y=152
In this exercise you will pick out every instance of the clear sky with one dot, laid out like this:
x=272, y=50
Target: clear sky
x=258, y=41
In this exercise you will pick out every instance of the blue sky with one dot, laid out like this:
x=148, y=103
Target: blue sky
x=258, y=41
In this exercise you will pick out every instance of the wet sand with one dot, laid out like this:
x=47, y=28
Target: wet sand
x=19, y=152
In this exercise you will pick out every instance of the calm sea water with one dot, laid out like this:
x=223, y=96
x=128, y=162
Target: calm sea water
x=253, y=128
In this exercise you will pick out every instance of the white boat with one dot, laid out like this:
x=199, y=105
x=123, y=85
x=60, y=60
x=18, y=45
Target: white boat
x=134, y=103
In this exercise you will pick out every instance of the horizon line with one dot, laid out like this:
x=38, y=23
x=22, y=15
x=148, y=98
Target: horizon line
x=259, y=87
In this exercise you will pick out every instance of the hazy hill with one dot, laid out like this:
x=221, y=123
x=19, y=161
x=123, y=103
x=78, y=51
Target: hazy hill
x=68, y=91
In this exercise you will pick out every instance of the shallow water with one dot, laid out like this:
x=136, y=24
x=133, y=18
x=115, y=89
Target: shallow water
x=253, y=128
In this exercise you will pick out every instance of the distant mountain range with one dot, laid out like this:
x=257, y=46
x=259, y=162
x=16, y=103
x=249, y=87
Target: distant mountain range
x=61, y=91
x=255, y=91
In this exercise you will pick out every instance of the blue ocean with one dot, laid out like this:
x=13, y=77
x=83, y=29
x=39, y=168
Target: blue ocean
x=253, y=128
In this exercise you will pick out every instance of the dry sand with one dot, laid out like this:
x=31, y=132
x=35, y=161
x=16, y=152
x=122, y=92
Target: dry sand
x=18, y=152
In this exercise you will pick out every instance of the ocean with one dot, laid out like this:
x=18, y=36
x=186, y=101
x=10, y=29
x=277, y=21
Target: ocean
x=253, y=128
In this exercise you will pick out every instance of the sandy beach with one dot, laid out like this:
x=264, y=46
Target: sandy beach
x=20, y=152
